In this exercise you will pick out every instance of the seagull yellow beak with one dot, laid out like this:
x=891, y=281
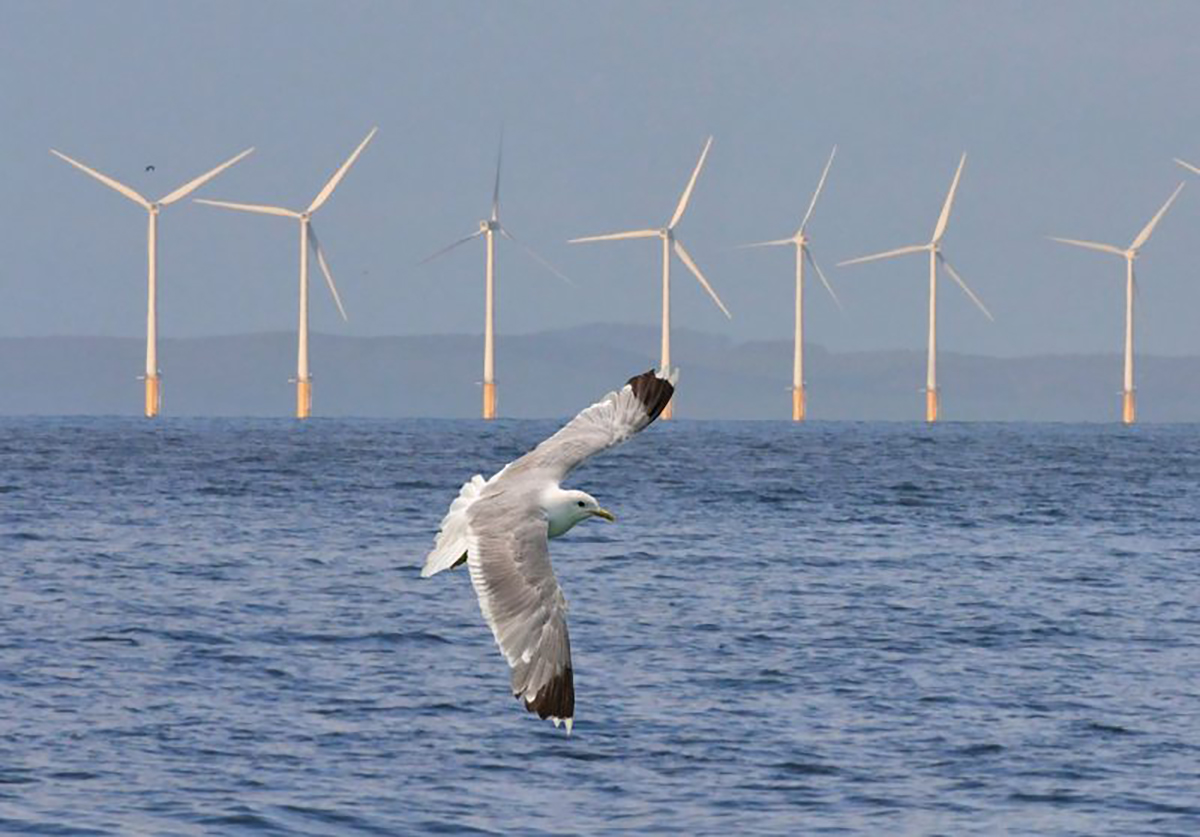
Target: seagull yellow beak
x=606, y=514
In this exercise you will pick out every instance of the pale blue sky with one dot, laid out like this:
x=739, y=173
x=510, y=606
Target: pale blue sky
x=1070, y=114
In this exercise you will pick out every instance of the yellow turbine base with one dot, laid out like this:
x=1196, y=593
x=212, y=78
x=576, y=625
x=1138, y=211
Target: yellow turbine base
x=798, y=404
x=668, y=411
x=489, y=401
x=932, y=405
x=303, y=399
x=1128, y=408
x=153, y=396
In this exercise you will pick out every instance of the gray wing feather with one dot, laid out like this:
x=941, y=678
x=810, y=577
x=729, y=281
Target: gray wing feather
x=509, y=560
x=608, y=422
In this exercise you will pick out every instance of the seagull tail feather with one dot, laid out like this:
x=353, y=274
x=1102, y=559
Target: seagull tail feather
x=450, y=548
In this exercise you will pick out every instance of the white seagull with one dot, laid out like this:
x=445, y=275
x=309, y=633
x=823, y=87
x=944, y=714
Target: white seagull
x=501, y=527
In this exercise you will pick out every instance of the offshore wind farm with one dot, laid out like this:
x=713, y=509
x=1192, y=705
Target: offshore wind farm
x=672, y=247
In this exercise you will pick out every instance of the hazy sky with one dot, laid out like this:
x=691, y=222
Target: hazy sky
x=1070, y=113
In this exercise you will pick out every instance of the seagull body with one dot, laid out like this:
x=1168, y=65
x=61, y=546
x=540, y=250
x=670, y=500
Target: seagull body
x=500, y=527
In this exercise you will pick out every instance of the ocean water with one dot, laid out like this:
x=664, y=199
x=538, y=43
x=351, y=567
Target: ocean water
x=217, y=627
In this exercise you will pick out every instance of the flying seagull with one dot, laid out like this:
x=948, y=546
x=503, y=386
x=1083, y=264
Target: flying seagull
x=500, y=528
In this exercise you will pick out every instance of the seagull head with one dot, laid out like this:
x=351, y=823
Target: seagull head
x=566, y=508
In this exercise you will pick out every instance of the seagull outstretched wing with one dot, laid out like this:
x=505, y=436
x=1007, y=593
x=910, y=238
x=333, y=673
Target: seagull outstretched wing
x=509, y=559
x=608, y=422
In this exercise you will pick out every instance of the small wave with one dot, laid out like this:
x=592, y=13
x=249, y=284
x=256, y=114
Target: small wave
x=243, y=819
x=14, y=826
x=807, y=768
x=974, y=750
x=1058, y=797
x=385, y=637
x=118, y=640
x=25, y=536
x=1108, y=729
x=17, y=776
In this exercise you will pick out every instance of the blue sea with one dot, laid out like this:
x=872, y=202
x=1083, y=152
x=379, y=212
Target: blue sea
x=218, y=627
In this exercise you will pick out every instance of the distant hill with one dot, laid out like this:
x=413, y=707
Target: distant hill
x=554, y=373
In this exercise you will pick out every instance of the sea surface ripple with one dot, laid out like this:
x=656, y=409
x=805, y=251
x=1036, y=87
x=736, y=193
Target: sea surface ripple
x=217, y=627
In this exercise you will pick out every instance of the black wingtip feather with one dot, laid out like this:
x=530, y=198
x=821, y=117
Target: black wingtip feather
x=556, y=699
x=654, y=392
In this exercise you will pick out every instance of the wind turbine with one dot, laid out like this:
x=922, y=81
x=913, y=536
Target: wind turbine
x=1128, y=406
x=488, y=229
x=803, y=253
x=934, y=248
x=153, y=374
x=308, y=240
x=669, y=243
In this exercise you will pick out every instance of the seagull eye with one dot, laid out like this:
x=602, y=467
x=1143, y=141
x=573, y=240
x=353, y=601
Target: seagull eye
x=580, y=504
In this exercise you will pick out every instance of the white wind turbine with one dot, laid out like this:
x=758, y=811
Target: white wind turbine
x=153, y=374
x=932, y=401
x=488, y=229
x=669, y=243
x=308, y=239
x=1128, y=406
x=800, y=241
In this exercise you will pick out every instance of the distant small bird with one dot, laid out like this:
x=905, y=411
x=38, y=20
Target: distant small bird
x=501, y=527
x=149, y=168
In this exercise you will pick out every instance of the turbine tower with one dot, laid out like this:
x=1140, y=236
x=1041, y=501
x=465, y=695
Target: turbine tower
x=153, y=373
x=488, y=229
x=308, y=240
x=803, y=253
x=934, y=248
x=669, y=243
x=1128, y=405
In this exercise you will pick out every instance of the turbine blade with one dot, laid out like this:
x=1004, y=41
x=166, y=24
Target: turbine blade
x=899, y=251
x=496, y=191
x=105, y=179
x=1188, y=166
x=616, y=236
x=1144, y=235
x=324, y=194
x=682, y=252
x=820, y=273
x=533, y=254
x=192, y=185
x=817, y=194
x=687, y=192
x=450, y=247
x=250, y=207
x=954, y=275
x=315, y=244
x=944, y=218
x=778, y=242
x=1090, y=245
